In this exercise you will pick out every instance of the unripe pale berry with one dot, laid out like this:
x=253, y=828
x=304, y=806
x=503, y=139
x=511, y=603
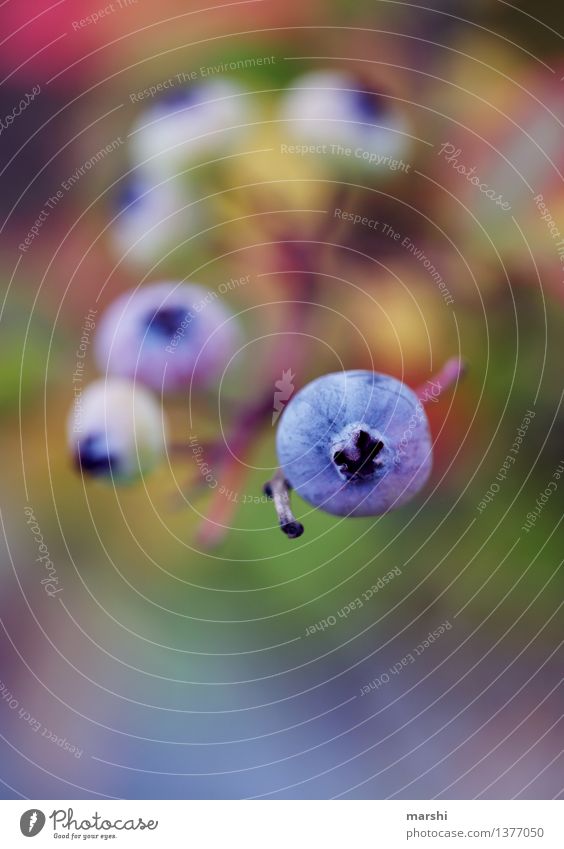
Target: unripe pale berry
x=168, y=335
x=152, y=219
x=115, y=431
x=335, y=108
x=199, y=122
x=355, y=443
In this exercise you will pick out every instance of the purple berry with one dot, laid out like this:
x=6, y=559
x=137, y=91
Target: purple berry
x=167, y=335
x=355, y=443
x=115, y=431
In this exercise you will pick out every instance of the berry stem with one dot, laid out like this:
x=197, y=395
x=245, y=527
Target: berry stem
x=278, y=489
x=452, y=371
x=217, y=522
x=251, y=418
x=231, y=471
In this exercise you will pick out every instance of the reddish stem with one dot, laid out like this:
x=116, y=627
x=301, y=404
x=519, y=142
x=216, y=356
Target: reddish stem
x=452, y=371
x=231, y=470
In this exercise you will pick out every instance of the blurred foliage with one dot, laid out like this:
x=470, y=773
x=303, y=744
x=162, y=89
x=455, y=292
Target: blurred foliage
x=129, y=560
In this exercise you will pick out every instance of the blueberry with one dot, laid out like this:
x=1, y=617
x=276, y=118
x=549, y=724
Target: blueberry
x=335, y=108
x=115, y=431
x=355, y=443
x=191, y=124
x=174, y=100
x=165, y=321
x=151, y=219
x=167, y=335
x=94, y=456
x=129, y=193
x=369, y=106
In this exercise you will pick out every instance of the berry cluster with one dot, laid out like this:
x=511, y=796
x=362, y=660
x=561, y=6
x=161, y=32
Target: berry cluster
x=166, y=337
x=355, y=443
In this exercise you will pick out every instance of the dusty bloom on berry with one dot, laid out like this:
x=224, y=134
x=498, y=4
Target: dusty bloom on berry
x=355, y=443
x=168, y=335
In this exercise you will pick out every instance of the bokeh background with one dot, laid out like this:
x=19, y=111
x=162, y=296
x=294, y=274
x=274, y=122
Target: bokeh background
x=170, y=668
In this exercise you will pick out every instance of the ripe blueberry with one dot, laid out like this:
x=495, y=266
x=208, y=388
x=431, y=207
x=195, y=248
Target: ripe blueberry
x=355, y=443
x=167, y=335
x=335, y=108
x=115, y=431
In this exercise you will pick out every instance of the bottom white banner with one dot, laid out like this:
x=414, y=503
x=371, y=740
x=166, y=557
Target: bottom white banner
x=279, y=824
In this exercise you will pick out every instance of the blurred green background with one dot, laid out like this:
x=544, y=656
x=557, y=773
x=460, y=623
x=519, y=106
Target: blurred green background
x=184, y=671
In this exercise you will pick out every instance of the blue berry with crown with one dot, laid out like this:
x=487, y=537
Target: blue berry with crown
x=355, y=443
